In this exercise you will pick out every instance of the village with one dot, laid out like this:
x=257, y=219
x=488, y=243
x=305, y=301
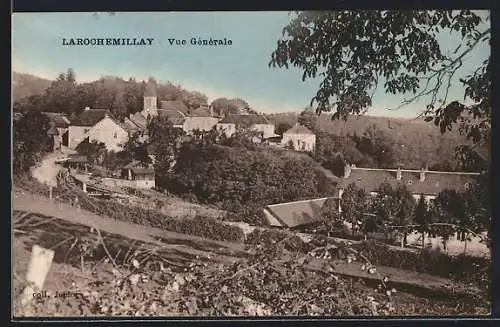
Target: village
x=100, y=126
x=320, y=171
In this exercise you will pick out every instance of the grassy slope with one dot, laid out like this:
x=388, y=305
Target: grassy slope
x=25, y=85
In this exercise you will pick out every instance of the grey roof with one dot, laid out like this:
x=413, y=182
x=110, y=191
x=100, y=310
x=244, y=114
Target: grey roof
x=177, y=105
x=298, y=213
x=90, y=117
x=435, y=181
x=176, y=117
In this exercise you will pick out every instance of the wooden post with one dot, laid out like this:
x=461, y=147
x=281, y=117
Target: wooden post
x=38, y=268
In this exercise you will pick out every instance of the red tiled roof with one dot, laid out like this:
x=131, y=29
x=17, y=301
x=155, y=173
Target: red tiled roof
x=299, y=129
x=298, y=213
x=435, y=181
x=245, y=121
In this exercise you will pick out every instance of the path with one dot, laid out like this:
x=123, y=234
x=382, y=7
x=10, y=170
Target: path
x=411, y=282
x=37, y=204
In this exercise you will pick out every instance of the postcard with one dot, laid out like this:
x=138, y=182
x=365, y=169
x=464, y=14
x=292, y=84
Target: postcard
x=242, y=164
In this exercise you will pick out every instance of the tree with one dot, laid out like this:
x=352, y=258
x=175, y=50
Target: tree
x=448, y=210
x=377, y=145
x=94, y=150
x=394, y=206
x=282, y=128
x=355, y=51
x=61, y=95
x=164, y=141
x=224, y=106
x=354, y=205
x=308, y=118
x=137, y=149
x=30, y=140
x=421, y=217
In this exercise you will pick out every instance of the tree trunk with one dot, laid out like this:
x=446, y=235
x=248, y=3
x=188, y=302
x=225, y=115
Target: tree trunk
x=423, y=240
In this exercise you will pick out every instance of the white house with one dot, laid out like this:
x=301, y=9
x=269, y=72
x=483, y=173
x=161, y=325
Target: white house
x=98, y=125
x=301, y=137
x=258, y=123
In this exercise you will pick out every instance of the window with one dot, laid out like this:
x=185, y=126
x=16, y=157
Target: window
x=115, y=135
x=86, y=130
x=410, y=182
x=467, y=186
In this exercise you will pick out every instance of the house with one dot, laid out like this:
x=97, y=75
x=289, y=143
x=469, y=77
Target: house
x=139, y=175
x=421, y=182
x=298, y=213
x=59, y=125
x=98, y=125
x=231, y=123
x=300, y=137
x=180, y=115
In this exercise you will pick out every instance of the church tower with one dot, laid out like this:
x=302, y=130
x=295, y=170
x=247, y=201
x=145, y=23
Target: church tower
x=150, y=101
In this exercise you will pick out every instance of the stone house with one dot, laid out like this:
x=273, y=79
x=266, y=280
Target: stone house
x=58, y=129
x=98, y=125
x=300, y=137
x=426, y=183
x=258, y=123
x=180, y=115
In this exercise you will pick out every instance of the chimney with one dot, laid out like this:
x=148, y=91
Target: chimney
x=398, y=174
x=87, y=108
x=347, y=170
x=211, y=111
x=422, y=175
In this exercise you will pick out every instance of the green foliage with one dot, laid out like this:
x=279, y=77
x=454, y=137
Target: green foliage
x=95, y=151
x=243, y=181
x=460, y=268
x=282, y=127
x=198, y=226
x=224, y=106
x=30, y=140
x=412, y=143
x=354, y=205
x=137, y=149
x=365, y=49
x=122, y=97
x=308, y=118
x=164, y=141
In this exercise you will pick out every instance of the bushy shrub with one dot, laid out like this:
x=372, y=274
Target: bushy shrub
x=242, y=181
x=461, y=268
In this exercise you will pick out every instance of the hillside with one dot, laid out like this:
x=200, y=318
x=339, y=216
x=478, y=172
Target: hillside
x=413, y=140
x=25, y=85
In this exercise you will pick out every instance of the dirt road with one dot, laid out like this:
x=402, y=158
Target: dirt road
x=200, y=246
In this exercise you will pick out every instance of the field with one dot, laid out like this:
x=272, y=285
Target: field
x=178, y=274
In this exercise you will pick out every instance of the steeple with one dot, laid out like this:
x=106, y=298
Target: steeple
x=150, y=100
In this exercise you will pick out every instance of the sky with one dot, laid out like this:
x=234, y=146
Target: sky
x=240, y=70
